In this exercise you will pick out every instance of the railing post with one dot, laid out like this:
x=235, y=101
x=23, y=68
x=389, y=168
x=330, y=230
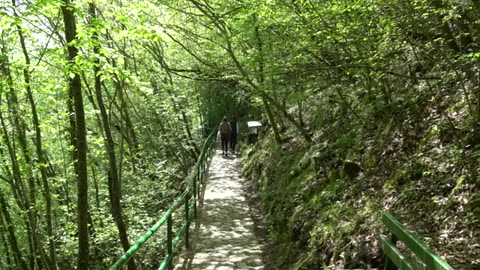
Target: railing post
x=201, y=170
x=187, y=219
x=195, y=196
x=204, y=161
x=199, y=180
x=169, y=241
x=389, y=265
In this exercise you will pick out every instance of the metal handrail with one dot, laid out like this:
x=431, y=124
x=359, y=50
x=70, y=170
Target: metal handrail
x=189, y=198
x=395, y=259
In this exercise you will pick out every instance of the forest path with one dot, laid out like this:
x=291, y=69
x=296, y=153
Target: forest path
x=224, y=236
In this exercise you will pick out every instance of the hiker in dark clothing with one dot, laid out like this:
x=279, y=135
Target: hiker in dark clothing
x=225, y=132
x=233, y=136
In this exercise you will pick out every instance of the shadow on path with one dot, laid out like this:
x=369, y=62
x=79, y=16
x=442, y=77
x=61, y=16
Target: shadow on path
x=224, y=235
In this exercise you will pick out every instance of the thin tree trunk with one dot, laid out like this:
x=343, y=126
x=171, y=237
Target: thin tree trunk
x=39, y=149
x=178, y=108
x=300, y=113
x=130, y=133
x=25, y=201
x=179, y=147
x=261, y=80
x=19, y=258
x=8, y=256
x=18, y=190
x=75, y=88
x=114, y=183
x=187, y=136
x=169, y=148
x=290, y=118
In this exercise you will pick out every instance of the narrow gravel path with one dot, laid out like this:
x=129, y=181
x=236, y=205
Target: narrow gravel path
x=224, y=238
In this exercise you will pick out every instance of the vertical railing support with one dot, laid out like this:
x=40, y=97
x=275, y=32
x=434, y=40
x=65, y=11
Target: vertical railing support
x=187, y=220
x=195, y=181
x=203, y=171
x=389, y=265
x=169, y=241
x=199, y=180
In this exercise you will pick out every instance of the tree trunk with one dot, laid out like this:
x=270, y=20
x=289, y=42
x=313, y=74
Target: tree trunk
x=39, y=149
x=113, y=179
x=6, y=249
x=18, y=190
x=177, y=106
x=75, y=88
x=187, y=136
x=261, y=80
x=19, y=258
x=180, y=108
x=26, y=203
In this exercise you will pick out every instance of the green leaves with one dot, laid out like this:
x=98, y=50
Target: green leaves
x=475, y=154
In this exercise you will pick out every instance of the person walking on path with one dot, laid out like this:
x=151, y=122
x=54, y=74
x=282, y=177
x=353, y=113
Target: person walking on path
x=233, y=137
x=225, y=132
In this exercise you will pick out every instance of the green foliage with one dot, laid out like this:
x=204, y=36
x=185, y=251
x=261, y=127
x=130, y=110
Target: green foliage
x=383, y=101
x=153, y=134
x=374, y=104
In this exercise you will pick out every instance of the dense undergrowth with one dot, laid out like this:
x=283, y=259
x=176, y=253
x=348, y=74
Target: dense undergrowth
x=323, y=199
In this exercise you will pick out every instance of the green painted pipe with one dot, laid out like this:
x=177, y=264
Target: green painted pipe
x=187, y=218
x=131, y=251
x=169, y=240
x=165, y=262
x=175, y=241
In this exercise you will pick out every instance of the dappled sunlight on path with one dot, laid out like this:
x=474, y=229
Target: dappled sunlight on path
x=225, y=236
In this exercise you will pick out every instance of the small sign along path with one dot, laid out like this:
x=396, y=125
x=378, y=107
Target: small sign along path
x=224, y=236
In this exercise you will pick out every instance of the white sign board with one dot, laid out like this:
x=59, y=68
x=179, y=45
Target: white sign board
x=252, y=124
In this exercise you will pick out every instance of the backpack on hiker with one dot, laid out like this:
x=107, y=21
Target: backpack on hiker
x=225, y=129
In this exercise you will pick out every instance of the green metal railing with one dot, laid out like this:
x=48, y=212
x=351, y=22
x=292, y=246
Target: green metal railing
x=189, y=198
x=395, y=259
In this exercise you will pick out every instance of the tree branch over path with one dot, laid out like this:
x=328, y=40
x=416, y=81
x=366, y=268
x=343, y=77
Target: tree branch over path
x=222, y=27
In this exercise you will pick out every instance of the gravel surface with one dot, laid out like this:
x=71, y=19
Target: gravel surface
x=230, y=232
